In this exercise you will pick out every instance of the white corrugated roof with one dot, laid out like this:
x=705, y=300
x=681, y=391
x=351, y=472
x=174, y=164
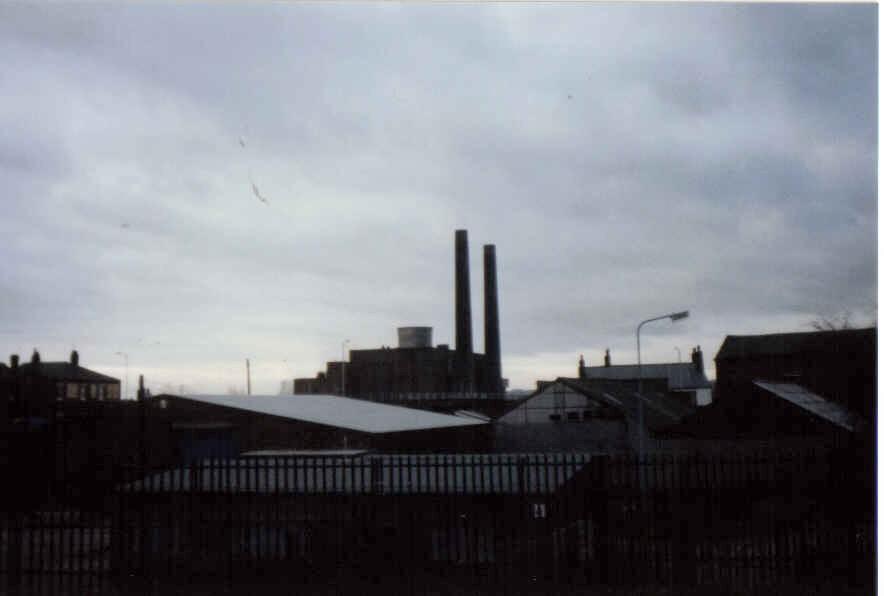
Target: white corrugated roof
x=341, y=412
x=804, y=399
x=472, y=414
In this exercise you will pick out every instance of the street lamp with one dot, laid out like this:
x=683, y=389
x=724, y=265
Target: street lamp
x=675, y=316
x=677, y=351
x=126, y=386
x=343, y=366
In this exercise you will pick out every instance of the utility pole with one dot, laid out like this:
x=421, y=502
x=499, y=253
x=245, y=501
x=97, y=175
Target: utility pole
x=248, y=379
x=126, y=386
x=675, y=316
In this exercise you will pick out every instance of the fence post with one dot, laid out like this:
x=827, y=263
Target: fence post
x=685, y=521
x=15, y=529
x=601, y=540
x=851, y=471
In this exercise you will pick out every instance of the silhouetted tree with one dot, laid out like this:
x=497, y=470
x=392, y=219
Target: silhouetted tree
x=843, y=320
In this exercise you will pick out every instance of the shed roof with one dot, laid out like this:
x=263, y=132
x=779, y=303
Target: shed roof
x=340, y=412
x=679, y=375
x=815, y=404
x=778, y=344
x=390, y=474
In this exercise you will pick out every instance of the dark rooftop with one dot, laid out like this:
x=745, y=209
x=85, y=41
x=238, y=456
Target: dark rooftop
x=778, y=344
x=65, y=371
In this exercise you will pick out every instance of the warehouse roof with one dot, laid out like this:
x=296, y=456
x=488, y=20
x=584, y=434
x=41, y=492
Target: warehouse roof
x=813, y=403
x=376, y=474
x=340, y=412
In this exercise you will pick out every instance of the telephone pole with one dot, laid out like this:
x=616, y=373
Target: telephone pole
x=248, y=379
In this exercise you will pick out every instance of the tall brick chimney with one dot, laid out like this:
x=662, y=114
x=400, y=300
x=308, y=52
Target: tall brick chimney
x=492, y=323
x=463, y=315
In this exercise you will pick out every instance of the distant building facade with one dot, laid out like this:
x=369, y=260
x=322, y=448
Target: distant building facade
x=685, y=381
x=391, y=374
x=37, y=385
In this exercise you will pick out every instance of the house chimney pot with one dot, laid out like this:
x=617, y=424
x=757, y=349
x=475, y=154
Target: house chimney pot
x=35, y=357
x=580, y=366
x=75, y=358
x=13, y=361
x=607, y=357
x=697, y=358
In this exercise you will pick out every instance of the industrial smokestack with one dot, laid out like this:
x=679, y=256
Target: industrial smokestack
x=492, y=324
x=463, y=316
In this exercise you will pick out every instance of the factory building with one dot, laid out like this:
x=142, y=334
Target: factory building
x=416, y=369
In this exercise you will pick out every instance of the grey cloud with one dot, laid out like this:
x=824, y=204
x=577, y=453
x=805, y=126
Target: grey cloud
x=718, y=158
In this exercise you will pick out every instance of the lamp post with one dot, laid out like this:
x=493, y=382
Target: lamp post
x=126, y=386
x=343, y=366
x=675, y=316
x=677, y=351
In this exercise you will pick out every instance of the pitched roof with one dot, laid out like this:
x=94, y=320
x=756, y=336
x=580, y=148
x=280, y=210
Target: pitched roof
x=778, y=344
x=659, y=411
x=813, y=403
x=679, y=375
x=64, y=371
x=391, y=474
x=341, y=412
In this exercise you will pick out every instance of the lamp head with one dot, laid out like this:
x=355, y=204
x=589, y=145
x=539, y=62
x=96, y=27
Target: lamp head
x=677, y=316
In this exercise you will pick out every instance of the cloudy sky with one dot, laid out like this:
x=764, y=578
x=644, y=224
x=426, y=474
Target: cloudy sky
x=627, y=161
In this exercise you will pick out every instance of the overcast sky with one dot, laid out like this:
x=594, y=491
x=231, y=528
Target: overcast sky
x=627, y=161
